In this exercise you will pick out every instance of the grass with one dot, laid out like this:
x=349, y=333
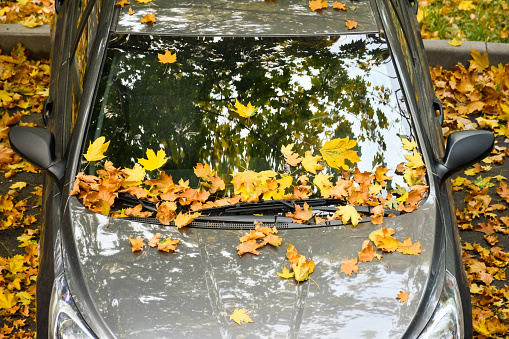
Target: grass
x=477, y=20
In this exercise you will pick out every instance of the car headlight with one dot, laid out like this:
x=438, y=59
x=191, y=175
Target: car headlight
x=65, y=321
x=447, y=320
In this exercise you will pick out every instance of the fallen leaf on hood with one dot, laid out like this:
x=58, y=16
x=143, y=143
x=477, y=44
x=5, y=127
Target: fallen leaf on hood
x=240, y=315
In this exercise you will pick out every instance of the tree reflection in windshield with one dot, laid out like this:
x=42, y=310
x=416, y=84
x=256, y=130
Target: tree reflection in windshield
x=307, y=90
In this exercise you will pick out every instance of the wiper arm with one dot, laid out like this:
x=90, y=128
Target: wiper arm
x=271, y=205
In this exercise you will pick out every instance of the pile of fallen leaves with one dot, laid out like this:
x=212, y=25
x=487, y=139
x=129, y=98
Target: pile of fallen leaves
x=464, y=20
x=29, y=13
x=476, y=97
x=23, y=88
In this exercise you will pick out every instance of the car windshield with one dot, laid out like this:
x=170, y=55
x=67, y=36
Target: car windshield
x=245, y=119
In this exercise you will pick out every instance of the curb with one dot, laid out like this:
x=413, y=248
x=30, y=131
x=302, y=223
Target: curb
x=439, y=52
x=37, y=40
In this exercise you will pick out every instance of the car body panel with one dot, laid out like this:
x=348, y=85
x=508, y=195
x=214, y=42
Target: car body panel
x=193, y=291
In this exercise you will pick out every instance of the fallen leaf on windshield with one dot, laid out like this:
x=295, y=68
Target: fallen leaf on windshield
x=130, y=12
x=301, y=215
x=240, y=315
x=149, y=18
x=96, y=149
x=315, y=5
x=403, y=296
x=153, y=161
x=348, y=213
x=184, y=219
x=310, y=162
x=167, y=57
x=293, y=159
x=137, y=243
x=143, y=1
x=336, y=151
x=351, y=24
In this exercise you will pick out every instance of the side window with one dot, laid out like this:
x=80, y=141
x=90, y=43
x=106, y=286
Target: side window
x=82, y=52
x=419, y=75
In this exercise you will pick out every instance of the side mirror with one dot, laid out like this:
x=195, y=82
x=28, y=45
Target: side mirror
x=37, y=146
x=463, y=149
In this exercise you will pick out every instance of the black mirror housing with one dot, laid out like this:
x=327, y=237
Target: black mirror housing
x=37, y=146
x=463, y=149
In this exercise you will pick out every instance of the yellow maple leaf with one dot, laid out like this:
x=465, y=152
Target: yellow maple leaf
x=134, y=176
x=310, y=162
x=149, y=18
x=131, y=12
x=184, y=219
x=7, y=299
x=349, y=213
x=336, y=151
x=481, y=61
x=286, y=274
x=96, y=149
x=18, y=185
x=244, y=111
x=414, y=160
x=455, y=42
x=339, y=6
x=5, y=96
x=408, y=145
x=167, y=57
x=153, y=161
x=240, y=315
x=143, y=1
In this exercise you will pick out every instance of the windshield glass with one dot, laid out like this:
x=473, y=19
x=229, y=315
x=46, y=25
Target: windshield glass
x=251, y=119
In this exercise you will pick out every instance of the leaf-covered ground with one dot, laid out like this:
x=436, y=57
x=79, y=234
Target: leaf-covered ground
x=23, y=88
x=28, y=13
x=476, y=20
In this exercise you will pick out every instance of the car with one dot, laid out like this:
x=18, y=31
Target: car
x=285, y=157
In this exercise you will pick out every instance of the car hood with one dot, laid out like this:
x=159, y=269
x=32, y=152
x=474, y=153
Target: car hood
x=193, y=291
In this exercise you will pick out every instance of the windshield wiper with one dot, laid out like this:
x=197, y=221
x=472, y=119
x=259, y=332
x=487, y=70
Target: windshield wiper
x=132, y=201
x=272, y=205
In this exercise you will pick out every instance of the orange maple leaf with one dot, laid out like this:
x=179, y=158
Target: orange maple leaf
x=406, y=247
x=293, y=159
x=315, y=5
x=154, y=241
x=301, y=215
x=184, y=219
x=403, y=296
x=339, y=6
x=349, y=266
x=148, y=19
x=351, y=24
x=136, y=243
x=122, y=3
x=367, y=253
x=249, y=246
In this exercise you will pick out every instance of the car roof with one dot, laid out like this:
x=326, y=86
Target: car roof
x=245, y=18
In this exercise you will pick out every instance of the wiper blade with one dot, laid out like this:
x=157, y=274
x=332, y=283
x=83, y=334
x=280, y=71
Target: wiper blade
x=132, y=201
x=271, y=205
